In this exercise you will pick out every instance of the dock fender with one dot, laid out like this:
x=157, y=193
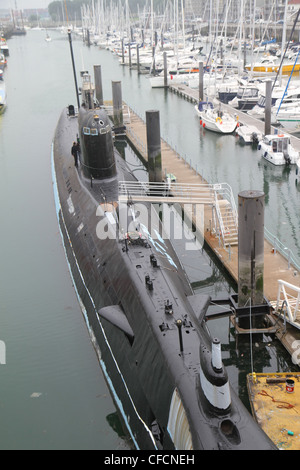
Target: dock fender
x=199, y=304
x=115, y=315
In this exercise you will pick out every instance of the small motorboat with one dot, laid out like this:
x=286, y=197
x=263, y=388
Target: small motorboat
x=278, y=149
x=3, y=98
x=249, y=134
x=214, y=119
x=3, y=61
x=247, y=97
x=4, y=47
x=298, y=167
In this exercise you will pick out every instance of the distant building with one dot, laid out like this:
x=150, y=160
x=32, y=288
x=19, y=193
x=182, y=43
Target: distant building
x=193, y=7
x=293, y=7
x=264, y=8
x=4, y=14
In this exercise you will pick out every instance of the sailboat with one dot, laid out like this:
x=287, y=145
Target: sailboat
x=215, y=119
x=271, y=65
x=47, y=38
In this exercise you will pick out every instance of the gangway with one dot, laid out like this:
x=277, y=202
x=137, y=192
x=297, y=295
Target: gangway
x=127, y=117
x=218, y=196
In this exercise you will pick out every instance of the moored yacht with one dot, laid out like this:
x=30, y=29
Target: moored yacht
x=247, y=97
x=216, y=120
x=278, y=150
x=3, y=97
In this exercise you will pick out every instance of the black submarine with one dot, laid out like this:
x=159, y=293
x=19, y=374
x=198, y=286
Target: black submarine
x=164, y=369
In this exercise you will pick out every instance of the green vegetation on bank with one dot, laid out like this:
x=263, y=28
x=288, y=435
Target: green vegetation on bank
x=57, y=9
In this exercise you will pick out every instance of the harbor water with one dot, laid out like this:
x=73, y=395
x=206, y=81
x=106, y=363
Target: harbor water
x=52, y=391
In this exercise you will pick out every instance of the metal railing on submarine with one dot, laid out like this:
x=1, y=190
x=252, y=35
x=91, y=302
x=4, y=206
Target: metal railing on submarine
x=220, y=197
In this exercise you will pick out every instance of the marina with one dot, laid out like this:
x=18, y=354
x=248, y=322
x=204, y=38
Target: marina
x=191, y=179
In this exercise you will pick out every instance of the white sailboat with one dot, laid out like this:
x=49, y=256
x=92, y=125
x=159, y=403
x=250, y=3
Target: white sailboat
x=215, y=119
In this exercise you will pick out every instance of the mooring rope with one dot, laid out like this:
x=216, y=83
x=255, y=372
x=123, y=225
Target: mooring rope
x=284, y=404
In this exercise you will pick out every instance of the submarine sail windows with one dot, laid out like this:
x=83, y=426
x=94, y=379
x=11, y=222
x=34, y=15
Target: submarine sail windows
x=89, y=131
x=95, y=132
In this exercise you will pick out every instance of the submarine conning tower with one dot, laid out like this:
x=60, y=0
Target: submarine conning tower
x=96, y=142
x=214, y=378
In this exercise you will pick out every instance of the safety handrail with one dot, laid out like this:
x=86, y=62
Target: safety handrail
x=283, y=250
x=204, y=193
x=289, y=294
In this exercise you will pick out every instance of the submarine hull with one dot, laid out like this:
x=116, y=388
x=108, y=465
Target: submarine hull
x=101, y=279
x=155, y=384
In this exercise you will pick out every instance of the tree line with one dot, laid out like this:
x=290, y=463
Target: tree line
x=59, y=9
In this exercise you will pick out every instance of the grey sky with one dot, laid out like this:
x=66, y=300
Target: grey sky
x=23, y=4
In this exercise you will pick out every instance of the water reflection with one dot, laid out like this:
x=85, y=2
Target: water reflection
x=116, y=425
x=243, y=354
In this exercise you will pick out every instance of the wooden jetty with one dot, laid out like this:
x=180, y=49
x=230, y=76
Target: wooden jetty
x=276, y=266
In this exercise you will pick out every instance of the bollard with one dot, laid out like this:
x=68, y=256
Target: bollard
x=165, y=70
x=117, y=104
x=98, y=84
x=251, y=248
x=268, y=107
x=201, y=82
x=154, y=146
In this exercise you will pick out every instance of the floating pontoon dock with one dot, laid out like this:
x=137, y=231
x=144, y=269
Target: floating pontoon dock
x=276, y=266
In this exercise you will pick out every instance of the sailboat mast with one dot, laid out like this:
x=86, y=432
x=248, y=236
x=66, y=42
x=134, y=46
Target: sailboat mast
x=241, y=34
x=152, y=24
x=253, y=34
x=210, y=23
x=283, y=37
x=183, y=25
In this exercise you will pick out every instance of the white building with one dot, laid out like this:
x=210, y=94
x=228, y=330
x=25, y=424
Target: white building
x=293, y=7
x=264, y=8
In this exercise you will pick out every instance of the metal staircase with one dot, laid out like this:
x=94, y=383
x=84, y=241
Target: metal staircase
x=218, y=196
x=226, y=214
